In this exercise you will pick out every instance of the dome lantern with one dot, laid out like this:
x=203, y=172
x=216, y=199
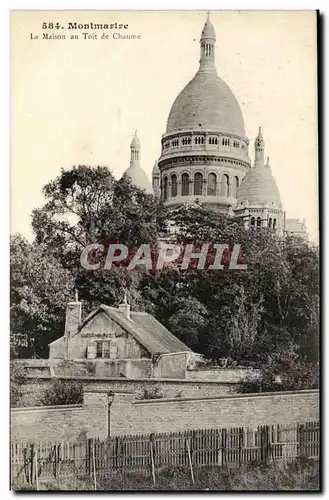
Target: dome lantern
x=207, y=47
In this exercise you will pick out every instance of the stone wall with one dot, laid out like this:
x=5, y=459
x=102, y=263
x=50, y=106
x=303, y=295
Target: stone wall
x=172, y=415
x=170, y=388
x=102, y=414
x=222, y=374
x=57, y=423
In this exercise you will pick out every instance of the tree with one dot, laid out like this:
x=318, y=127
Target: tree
x=187, y=320
x=284, y=371
x=86, y=205
x=40, y=289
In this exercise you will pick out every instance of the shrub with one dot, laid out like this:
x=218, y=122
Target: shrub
x=154, y=393
x=63, y=392
x=17, y=379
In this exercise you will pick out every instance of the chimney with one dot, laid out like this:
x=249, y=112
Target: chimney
x=73, y=317
x=124, y=307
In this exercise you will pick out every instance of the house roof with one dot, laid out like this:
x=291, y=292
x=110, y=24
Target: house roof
x=145, y=328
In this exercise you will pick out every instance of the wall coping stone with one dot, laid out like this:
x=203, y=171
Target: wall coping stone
x=228, y=397
x=123, y=379
x=38, y=408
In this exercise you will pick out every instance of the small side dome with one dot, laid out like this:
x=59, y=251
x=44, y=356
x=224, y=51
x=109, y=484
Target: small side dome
x=258, y=188
x=139, y=178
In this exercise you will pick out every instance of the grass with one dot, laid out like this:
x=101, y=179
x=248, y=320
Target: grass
x=300, y=475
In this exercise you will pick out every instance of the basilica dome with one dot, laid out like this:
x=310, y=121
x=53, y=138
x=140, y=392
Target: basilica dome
x=206, y=102
x=258, y=188
x=139, y=178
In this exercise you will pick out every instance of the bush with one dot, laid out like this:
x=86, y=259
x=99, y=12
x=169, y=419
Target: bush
x=17, y=379
x=154, y=393
x=63, y=392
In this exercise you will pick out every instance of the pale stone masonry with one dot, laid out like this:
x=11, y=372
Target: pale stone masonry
x=106, y=414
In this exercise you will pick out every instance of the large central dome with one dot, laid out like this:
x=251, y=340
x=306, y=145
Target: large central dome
x=206, y=102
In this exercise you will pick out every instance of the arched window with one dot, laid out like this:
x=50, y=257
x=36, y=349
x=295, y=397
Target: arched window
x=259, y=222
x=274, y=223
x=173, y=185
x=270, y=222
x=236, y=186
x=212, y=181
x=198, y=184
x=252, y=222
x=225, y=186
x=225, y=141
x=185, y=185
x=155, y=181
x=165, y=188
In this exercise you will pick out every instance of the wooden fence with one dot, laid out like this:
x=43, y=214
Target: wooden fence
x=93, y=458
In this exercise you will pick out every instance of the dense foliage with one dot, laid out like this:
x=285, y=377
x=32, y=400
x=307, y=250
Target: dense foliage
x=252, y=315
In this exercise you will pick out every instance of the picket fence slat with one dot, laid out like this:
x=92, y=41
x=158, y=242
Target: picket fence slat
x=234, y=446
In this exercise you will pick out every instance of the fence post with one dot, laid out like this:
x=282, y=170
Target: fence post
x=36, y=469
x=241, y=445
x=224, y=445
x=152, y=456
x=190, y=458
x=264, y=439
x=94, y=467
x=31, y=463
x=90, y=457
x=301, y=439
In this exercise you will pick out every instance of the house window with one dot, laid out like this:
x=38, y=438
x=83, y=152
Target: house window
x=259, y=222
x=252, y=222
x=236, y=144
x=186, y=141
x=99, y=349
x=270, y=222
x=198, y=184
x=106, y=350
x=185, y=185
x=213, y=140
x=274, y=223
x=212, y=181
x=225, y=142
x=175, y=143
x=174, y=185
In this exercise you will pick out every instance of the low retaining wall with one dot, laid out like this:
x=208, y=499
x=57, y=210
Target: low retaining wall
x=171, y=388
x=248, y=410
x=57, y=423
x=102, y=414
x=223, y=374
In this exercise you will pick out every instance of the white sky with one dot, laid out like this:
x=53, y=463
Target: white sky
x=79, y=101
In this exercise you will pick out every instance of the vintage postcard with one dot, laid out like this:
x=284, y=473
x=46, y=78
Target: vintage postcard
x=164, y=251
